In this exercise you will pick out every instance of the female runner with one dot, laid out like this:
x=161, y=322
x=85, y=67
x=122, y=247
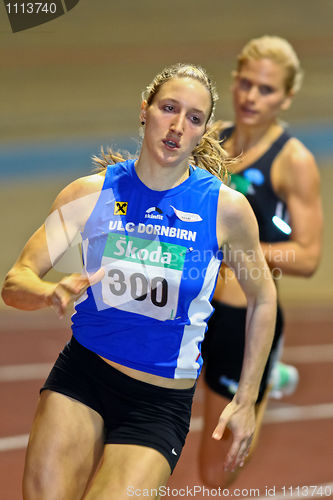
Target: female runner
x=152, y=229
x=280, y=179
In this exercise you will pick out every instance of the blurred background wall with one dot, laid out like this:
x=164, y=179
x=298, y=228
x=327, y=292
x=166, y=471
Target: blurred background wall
x=74, y=83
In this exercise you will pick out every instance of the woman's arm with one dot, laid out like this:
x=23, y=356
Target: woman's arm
x=24, y=287
x=238, y=234
x=297, y=181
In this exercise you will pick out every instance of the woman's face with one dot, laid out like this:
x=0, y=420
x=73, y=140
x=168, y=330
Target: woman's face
x=259, y=92
x=175, y=120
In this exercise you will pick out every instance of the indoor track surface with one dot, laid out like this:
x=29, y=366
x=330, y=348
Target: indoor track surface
x=295, y=448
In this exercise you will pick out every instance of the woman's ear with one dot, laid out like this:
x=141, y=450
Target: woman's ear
x=143, y=111
x=287, y=101
x=234, y=75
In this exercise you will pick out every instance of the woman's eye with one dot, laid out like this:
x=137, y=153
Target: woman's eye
x=168, y=107
x=265, y=89
x=196, y=120
x=244, y=84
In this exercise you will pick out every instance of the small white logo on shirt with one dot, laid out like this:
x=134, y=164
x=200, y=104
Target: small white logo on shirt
x=186, y=216
x=150, y=215
x=173, y=451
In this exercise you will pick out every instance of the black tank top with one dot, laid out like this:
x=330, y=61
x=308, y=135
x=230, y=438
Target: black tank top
x=254, y=181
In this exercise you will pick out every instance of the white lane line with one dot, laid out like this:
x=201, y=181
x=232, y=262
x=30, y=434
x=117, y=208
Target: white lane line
x=308, y=353
x=14, y=442
x=32, y=371
x=298, y=413
x=284, y=414
x=305, y=491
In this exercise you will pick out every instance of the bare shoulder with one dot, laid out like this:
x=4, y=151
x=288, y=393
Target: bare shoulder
x=77, y=200
x=231, y=203
x=235, y=216
x=296, y=157
x=297, y=166
x=80, y=188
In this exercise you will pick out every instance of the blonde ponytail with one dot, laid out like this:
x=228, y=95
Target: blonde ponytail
x=108, y=158
x=210, y=155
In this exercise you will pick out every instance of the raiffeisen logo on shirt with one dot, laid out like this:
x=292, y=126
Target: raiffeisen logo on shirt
x=148, y=252
x=120, y=207
x=150, y=215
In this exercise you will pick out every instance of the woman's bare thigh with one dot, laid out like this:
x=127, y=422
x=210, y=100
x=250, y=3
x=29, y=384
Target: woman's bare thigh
x=65, y=447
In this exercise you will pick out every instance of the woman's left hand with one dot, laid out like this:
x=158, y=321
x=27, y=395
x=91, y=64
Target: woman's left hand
x=240, y=419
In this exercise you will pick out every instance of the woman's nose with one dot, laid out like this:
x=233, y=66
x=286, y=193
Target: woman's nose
x=177, y=125
x=252, y=93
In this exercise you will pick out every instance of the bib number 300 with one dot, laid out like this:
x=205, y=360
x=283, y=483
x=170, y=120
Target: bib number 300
x=142, y=276
x=149, y=291
x=139, y=286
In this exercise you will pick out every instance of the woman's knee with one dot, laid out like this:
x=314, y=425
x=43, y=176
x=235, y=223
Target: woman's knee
x=213, y=475
x=55, y=478
x=34, y=486
x=59, y=463
x=40, y=482
x=211, y=460
x=129, y=470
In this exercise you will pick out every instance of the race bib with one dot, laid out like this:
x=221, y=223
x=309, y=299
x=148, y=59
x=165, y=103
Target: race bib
x=142, y=276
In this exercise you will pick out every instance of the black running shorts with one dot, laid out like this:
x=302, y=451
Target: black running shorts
x=223, y=349
x=134, y=412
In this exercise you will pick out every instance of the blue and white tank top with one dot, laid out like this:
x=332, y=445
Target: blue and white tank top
x=161, y=258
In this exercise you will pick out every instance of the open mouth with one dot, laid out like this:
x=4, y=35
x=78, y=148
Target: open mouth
x=170, y=144
x=249, y=111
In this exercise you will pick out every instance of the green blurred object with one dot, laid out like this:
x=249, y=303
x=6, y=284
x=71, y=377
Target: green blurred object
x=241, y=184
x=284, y=380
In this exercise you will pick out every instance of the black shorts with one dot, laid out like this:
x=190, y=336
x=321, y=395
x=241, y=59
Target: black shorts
x=223, y=349
x=134, y=412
